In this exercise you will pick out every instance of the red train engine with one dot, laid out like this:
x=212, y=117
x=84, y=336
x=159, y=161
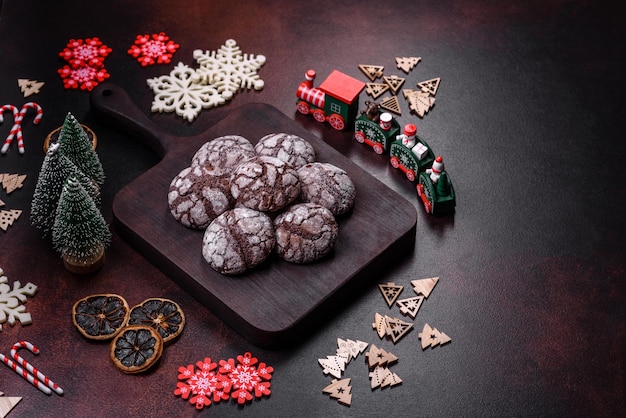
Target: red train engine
x=335, y=101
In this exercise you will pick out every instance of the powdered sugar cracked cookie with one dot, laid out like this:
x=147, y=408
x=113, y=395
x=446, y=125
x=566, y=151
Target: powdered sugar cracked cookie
x=264, y=183
x=224, y=153
x=327, y=185
x=305, y=233
x=197, y=196
x=290, y=148
x=238, y=240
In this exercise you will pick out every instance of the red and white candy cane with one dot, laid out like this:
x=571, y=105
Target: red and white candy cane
x=26, y=374
x=16, y=130
x=37, y=373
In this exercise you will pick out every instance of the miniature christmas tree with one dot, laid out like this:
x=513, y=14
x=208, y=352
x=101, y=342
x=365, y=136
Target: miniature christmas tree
x=56, y=168
x=80, y=233
x=75, y=145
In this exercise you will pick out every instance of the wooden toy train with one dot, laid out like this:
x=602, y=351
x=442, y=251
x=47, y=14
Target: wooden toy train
x=336, y=101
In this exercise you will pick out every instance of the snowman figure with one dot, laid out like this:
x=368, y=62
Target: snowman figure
x=436, y=170
x=408, y=135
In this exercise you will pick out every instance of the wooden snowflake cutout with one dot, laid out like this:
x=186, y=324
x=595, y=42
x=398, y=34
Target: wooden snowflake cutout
x=153, y=49
x=179, y=92
x=406, y=64
x=340, y=390
x=228, y=69
x=390, y=292
x=10, y=307
x=432, y=337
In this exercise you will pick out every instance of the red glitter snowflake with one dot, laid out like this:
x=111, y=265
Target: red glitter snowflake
x=89, y=52
x=153, y=49
x=85, y=78
x=205, y=383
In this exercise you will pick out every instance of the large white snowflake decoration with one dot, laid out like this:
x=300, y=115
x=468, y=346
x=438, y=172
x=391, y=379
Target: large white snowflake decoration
x=229, y=69
x=179, y=92
x=10, y=307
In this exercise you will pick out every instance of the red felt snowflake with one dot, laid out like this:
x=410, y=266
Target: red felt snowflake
x=202, y=385
x=89, y=52
x=242, y=380
x=153, y=49
x=85, y=78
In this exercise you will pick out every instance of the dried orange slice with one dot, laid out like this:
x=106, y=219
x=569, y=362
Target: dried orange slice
x=100, y=317
x=164, y=315
x=136, y=348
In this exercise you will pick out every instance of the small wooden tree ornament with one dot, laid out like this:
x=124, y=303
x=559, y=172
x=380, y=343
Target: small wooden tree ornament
x=391, y=104
x=432, y=337
x=8, y=217
x=410, y=306
x=376, y=89
x=379, y=357
x=424, y=286
x=349, y=349
x=29, y=87
x=372, y=71
x=333, y=365
x=340, y=390
x=11, y=182
x=394, y=82
x=390, y=292
x=406, y=64
x=397, y=328
x=7, y=404
x=430, y=86
x=380, y=325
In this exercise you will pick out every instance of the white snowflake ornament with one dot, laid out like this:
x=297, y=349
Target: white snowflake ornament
x=179, y=92
x=228, y=69
x=10, y=307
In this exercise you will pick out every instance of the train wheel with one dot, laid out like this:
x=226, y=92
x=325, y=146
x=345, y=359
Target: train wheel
x=410, y=174
x=319, y=115
x=303, y=107
x=378, y=149
x=360, y=137
x=425, y=194
x=337, y=122
x=395, y=162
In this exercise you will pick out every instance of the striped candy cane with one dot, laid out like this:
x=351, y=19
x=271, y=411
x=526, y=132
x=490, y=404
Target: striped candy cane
x=29, y=377
x=16, y=130
x=38, y=374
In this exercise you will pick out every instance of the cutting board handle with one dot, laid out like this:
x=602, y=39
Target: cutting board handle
x=113, y=104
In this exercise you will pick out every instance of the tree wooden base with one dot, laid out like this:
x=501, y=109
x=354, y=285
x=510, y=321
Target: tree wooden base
x=84, y=266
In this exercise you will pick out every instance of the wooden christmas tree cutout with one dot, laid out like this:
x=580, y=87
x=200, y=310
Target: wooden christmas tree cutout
x=378, y=376
x=420, y=103
x=391, y=104
x=378, y=357
x=29, y=87
x=340, y=390
x=379, y=325
x=432, y=337
x=372, y=71
x=390, y=292
x=424, y=286
x=349, y=349
x=1, y=203
x=406, y=64
x=333, y=365
x=430, y=86
x=376, y=89
x=391, y=380
x=8, y=217
x=410, y=306
x=7, y=404
x=394, y=82
x=11, y=182
x=396, y=328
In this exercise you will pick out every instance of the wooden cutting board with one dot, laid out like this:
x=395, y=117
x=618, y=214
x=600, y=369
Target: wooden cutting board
x=277, y=301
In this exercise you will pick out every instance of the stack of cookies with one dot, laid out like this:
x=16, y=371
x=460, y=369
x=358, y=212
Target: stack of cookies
x=252, y=200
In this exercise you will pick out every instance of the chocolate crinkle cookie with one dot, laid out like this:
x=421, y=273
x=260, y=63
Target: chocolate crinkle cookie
x=305, y=233
x=238, y=240
x=292, y=149
x=265, y=184
x=328, y=186
x=224, y=153
x=196, y=196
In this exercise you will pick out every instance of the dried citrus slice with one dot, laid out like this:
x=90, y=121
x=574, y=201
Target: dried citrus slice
x=163, y=315
x=136, y=348
x=100, y=317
